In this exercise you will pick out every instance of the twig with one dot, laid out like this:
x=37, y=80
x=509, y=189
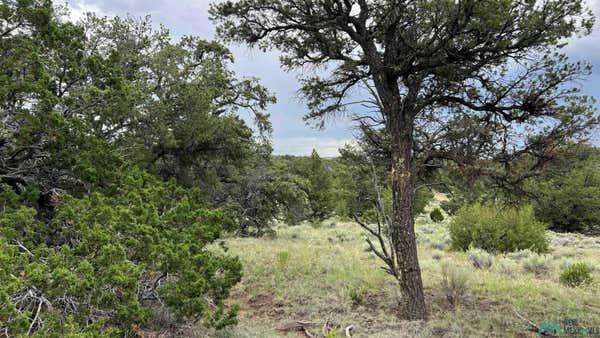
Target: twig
x=325, y=326
x=20, y=245
x=37, y=313
x=307, y=333
x=348, y=330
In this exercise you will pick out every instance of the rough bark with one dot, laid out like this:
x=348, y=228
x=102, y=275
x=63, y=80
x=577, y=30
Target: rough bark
x=403, y=231
x=400, y=112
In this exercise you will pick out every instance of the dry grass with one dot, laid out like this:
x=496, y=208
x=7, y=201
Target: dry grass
x=327, y=273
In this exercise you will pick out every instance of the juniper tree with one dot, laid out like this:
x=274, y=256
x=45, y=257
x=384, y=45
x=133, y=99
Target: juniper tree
x=319, y=187
x=472, y=82
x=91, y=238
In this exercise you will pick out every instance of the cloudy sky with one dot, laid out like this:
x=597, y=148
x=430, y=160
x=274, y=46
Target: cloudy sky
x=291, y=134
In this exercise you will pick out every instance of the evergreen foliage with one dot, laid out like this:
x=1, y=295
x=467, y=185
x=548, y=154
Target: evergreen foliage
x=576, y=275
x=320, y=195
x=497, y=229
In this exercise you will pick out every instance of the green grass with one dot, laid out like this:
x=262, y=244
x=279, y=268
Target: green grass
x=312, y=274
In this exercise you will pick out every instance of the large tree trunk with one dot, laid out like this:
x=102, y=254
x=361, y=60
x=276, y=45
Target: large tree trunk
x=403, y=231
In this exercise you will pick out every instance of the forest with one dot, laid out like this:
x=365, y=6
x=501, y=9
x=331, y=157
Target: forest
x=141, y=195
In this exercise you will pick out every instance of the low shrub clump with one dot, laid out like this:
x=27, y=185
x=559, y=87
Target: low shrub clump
x=357, y=295
x=454, y=283
x=520, y=255
x=536, y=264
x=481, y=259
x=507, y=267
x=576, y=275
x=496, y=230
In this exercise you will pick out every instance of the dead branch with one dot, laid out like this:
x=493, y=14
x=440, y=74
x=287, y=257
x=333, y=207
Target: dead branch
x=384, y=251
x=37, y=313
x=307, y=333
x=348, y=330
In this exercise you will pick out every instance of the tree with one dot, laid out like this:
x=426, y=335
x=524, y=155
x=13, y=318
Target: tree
x=319, y=187
x=478, y=83
x=26, y=97
x=92, y=242
x=163, y=93
x=290, y=188
x=568, y=197
x=170, y=107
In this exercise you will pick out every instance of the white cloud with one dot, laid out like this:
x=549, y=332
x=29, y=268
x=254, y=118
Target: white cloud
x=587, y=47
x=303, y=146
x=78, y=9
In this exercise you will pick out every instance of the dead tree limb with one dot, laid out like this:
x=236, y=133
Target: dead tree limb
x=385, y=248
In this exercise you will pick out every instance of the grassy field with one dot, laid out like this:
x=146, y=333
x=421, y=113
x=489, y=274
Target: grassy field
x=325, y=273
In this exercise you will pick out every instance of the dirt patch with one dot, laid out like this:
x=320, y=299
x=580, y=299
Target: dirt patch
x=373, y=301
x=264, y=306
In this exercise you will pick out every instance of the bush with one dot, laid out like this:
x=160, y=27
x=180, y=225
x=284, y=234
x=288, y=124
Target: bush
x=481, y=259
x=439, y=243
x=453, y=283
x=536, y=264
x=437, y=255
x=496, y=230
x=436, y=215
x=357, y=295
x=451, y=206
x=507, y=267
x=105, y=262
x=576, y=275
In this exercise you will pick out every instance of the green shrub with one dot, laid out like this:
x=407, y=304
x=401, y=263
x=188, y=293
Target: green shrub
x=333, y=333
x=357, y=295
x=451, y=206
x=283, y=258
x=576, y=275
x=497, y=230
x=105, y=262
x=436, y=215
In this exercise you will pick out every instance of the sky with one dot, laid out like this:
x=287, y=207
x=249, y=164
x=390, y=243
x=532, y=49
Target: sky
x=291, y=134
